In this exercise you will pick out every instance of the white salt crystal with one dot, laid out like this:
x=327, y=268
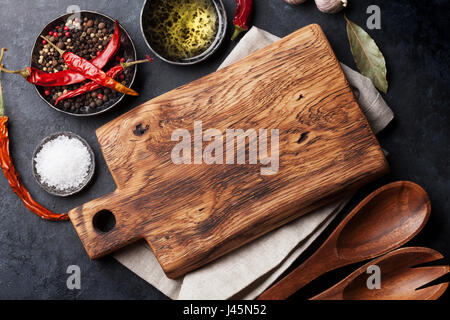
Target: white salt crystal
x=63, y=163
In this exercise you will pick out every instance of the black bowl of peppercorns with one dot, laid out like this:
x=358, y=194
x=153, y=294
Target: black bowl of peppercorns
x=87, y=34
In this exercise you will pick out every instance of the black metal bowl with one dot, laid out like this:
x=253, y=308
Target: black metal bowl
x=221, y=32
x=127, y=51
x=53, y=190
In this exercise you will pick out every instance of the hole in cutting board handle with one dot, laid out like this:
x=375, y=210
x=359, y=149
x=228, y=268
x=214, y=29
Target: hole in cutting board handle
x=104, y=221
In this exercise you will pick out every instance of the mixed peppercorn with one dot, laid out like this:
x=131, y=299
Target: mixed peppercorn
x=90, y=39
x=72, y=55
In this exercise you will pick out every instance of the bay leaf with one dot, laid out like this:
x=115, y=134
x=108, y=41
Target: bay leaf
x=368, y=57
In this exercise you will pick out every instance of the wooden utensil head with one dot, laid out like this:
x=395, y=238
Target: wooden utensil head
x=388, y=218
x=400, y=279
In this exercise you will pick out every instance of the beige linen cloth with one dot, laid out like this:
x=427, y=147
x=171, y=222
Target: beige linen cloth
x=248, y=271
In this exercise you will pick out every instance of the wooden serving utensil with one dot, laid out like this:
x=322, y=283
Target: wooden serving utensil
x=399, y=278
x=385, y=220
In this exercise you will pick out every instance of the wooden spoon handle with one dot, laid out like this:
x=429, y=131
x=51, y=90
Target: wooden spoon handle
x=297, y=279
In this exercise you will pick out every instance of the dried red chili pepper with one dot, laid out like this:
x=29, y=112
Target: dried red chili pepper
x=241, y=16
x=111, y=49
x=68, y=77
x=91, y=86
x=41, y=78
x=11, y=173
x=87, y=69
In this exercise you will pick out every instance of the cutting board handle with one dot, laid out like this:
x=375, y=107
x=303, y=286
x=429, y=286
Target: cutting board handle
x=103, y=224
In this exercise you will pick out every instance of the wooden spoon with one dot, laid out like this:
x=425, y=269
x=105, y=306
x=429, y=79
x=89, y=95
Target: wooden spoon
x=385, y=220
x=399, y=278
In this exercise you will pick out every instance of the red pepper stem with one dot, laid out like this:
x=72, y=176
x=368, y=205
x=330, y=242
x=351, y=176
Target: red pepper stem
x=25, y=72
x=237, y=31
x=2, y=105
x=61, y=52
x=132, y=63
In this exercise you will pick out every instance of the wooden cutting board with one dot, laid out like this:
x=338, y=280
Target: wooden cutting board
x=191, y=214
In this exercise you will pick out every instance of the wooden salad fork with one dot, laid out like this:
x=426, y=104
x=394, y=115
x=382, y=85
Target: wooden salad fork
x=385, y=220
x=400, y=279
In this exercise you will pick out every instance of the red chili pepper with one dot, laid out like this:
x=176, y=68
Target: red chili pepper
x=241, y=16
x=45, y=79
x=68, y=77
x=91, y=86
x=11, y=173
x=88, y=70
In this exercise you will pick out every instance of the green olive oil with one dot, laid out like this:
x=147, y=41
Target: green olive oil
x=181, y=29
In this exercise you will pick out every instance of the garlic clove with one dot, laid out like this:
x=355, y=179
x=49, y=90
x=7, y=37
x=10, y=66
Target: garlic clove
x=331, y=6
x=294, y=2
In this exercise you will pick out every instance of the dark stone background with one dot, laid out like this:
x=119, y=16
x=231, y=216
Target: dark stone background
x=34, y=254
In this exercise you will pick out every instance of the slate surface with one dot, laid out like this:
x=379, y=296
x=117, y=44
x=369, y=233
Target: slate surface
x=35, y=254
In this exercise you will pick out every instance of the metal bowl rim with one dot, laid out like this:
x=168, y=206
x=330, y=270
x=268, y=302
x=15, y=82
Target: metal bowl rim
x=121, y=97
x=225, y=26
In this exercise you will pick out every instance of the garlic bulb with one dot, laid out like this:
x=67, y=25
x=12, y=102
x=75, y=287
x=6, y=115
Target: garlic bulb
x=331, y=6
x=295, y=1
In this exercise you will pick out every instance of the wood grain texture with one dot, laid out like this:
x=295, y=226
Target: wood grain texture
x=193, y=214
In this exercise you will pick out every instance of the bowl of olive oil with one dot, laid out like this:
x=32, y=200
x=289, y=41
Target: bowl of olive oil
x=183, y=32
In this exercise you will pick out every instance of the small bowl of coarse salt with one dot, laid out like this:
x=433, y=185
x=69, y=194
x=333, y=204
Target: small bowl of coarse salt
x=63, y=164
